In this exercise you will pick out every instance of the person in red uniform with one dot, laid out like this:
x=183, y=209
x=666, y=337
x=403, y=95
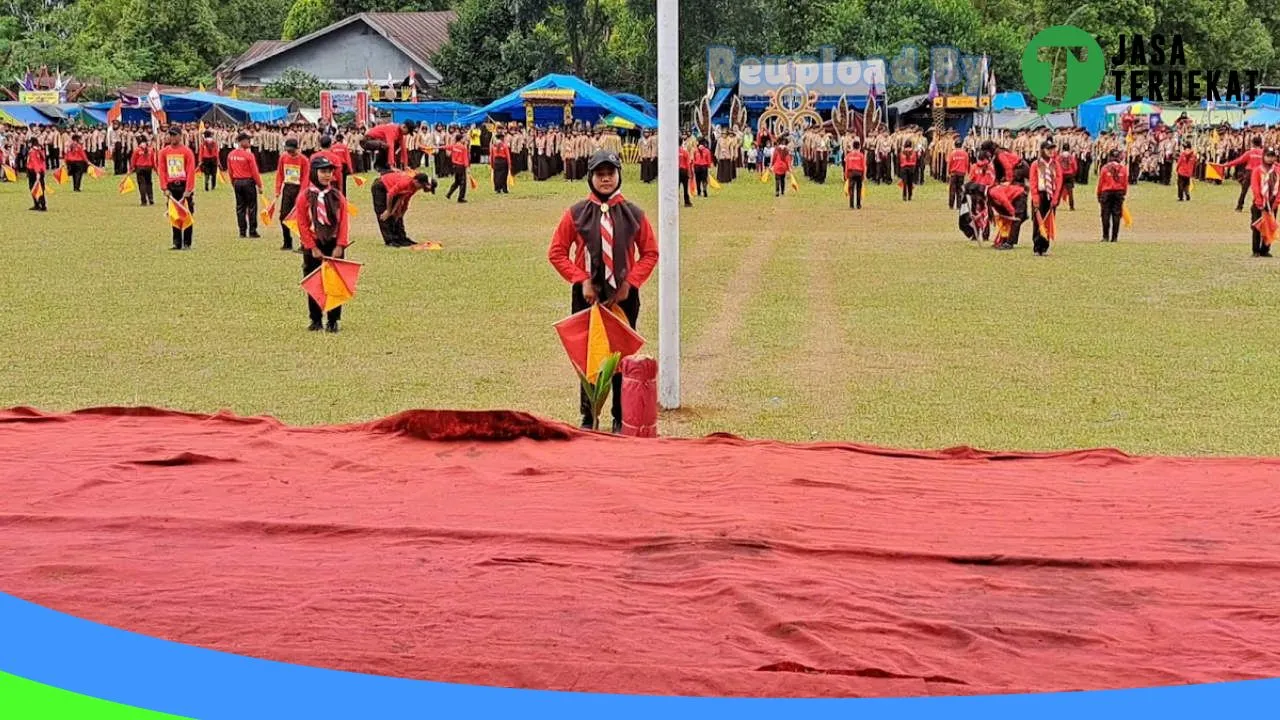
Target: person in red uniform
x=141, y=162
x=701, y=167
x=1251, y=161
x=907, y=160
x=77, y=161
x=1186, y=168
x=1046, y=193
x=246, y=182
x=1265, y=183
x=604, y=247
x=36, y=167
x=975, y=212
x=460, y=160
x=686, y=167
x=781, y=166
x=1006, y=161
x=1008, y=202
x=1069, y=166
x=957, y=169
x=983, y=171
x=292, y=174
x=391, y=195
x=209, y=161
x=1113, y=187
x=500, y=161
x=855, y=169
x=336, y=175
x=323, y=230
x=389, y=145
x=346, y=167
x=178, y=176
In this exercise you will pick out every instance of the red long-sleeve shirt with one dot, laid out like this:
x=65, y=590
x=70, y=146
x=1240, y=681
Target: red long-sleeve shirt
x=983, y=173
x=306, y=228
x=1008, y=161
x=242, y=165
x=142, y=159
x=1051, y=174
x=393, y=135
x=398, y=185
x=1251, y=160
x=209, y=150
x=333, y=158
x=1187, y=163
x=1009, y=200
x=460, y=154
x=684, y=159
x=344, y=153
x=178, y=164
x=781, y=160
x=855, y=161
x=907, y=158
x=568, y=253
x=1067, y=162
x=702, y=157
x=294, y=170
x=958, y=162
x=1113, y=177
x=1268, y=197
x=75, y=153
x=500, y=150
x=35, y=160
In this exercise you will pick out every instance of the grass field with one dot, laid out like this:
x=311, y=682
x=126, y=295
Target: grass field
x=802, y=320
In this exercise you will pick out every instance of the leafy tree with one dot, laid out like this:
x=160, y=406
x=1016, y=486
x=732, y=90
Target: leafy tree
x=296, y=84
x=244, y=21
x=306, y=17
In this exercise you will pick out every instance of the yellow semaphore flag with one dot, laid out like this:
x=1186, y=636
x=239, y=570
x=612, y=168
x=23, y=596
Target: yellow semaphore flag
x=1213, y=171
x=597, y=345
x=126, y=185
x=712, y=182
x=10, y=174
x=336, y=291
x=179, y=216
x=1125, y=217
x=352, y=210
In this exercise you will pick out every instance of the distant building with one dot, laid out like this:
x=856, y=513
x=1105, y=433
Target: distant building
x=348, y=53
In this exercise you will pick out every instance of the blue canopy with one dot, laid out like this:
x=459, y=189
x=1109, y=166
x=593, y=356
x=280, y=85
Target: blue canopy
x=638, y=103
x=190, y=107
x=1265, y=100
x=1008, y=101
x=1264, y=116
x=1092, y=114
x=25, y=113
x=446, y=112
x=590, y=104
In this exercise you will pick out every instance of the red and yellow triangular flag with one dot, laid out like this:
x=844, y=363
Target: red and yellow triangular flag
x=1267, y=227
x=1048, y=225
x=333, y=283
x=37, y=190
x=1213, y=171
x=794, y=185
x=764, y=176
x=10, y=174
x=472, y=181
x=846, y=187
x=511, y=180
x=1125, y=216
x=96, y=172
x=359, y=181
x=179, y=216
x=126, y=185
x=592, y=335
x=352, y=210
x=291, y=220
x=223, y=177
x=60, y=175
x=712, y=182
x=265, y=216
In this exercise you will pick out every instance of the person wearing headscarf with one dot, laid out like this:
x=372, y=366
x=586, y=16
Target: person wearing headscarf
x=323, y=227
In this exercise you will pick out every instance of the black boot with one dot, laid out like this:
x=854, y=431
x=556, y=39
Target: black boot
x=315, y=326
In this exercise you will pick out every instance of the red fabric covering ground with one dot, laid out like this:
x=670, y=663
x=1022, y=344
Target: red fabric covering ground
x=482, y=548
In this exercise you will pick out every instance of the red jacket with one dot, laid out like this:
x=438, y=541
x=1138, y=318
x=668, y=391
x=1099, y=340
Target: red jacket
x=209, y=150
x=333, y=158
x=855, y=161
x=983, y=173
x=1009, y=200
x=177, y=164
x=958, y=163
x=460, y=154
x=500, y=150
x=35, y=160
x=1187, y=163
x=75, y=153
x=343, y=153
x=1008, y=160
x=398, y=185
x=1039, y=169
x=1067, y=162
x=568, y=254
x=1113, y=177
x=294, y=169
x=242, y=165
x=306, y=230
x=393, y=135
x=1270, y=198
x=1251, y=160
x=907, y=158
x=684, y=159
x=702, y=157
x=142, y=159
x=782, y=160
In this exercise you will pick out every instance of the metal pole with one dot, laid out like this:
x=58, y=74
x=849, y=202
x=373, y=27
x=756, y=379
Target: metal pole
x=668, y=204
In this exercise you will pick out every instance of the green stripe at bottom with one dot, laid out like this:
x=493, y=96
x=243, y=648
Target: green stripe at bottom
x=22, y=699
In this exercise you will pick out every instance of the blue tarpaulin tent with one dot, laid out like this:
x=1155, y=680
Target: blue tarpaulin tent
x=446, y=112
x=190, y=107
x=1008, y=101
x=25, y=113
x=1262, y=116
x=1092, y=114
x=638, y=103
x=590, y=104
x=1265, y=100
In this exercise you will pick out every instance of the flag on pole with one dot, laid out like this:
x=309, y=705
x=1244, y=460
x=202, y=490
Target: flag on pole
x=113, y=115
x=37, y=190
x=291, y=220
x=1213, y=171
x=711, y=85
x=1125, y=216
x=1267, y=227
x=60, y=175
x=471, y=181
x=870, y=113
x=933, y=86
x=712, y=182
x=592, y=335
x=359, y=181
x=10, y=174
x=794, y=185
x=126, y=185
x=223, y=177
x=270, y=211
x=413, y=86
x=352, y=210
x=96, y=172
x=333, y=283
x=179, y=216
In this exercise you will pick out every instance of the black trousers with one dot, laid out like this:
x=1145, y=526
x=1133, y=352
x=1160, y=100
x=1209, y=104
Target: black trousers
x=855, y=190
x=630, y=308
x=444, y=165
x=146, y=191
x=1259, y=248
x=700, y=175
x=684, y=187
x=1184, y=188
x=380, y=153
x=1244, y=192
x=955, y=194
x=459, y=184
x=77, y=170
x=1069, y=192
x=392, y=229
x=1112, y=203
x=288, y=198
x=309, y=264
x=209, y=168
x=33, y=178
x=779, y=184
x=182, y=238
x=908, y=178
x=1039, y=242
x=500, y=172
x=246, y=205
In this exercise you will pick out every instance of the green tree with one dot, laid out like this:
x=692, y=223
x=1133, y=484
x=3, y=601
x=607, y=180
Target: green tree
x=306, y=17
x=296, y=84
x=244, y=21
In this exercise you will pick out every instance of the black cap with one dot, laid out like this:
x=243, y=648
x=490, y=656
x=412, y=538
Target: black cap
x=410, y=125
x=604, y=157
x=174, y=132
x=1047, y=145
x=242, y=137
x=291, y=143
x=321, y=163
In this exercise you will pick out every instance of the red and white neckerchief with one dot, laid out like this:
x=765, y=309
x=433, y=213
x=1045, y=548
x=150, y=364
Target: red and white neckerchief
x=322, y=208
x=606, y=244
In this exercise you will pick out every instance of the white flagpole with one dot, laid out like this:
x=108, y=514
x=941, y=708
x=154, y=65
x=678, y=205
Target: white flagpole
x=668, y=207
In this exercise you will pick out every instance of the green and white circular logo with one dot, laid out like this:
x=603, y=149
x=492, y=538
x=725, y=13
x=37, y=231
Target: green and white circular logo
x=1083, y=77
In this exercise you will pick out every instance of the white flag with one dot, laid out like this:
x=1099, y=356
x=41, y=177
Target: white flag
x=711, y=85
